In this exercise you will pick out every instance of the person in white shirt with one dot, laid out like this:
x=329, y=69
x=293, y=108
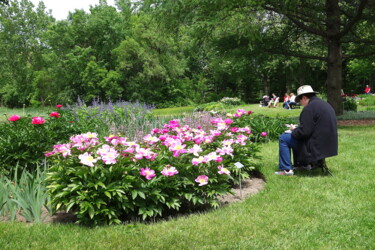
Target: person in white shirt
x=292, y=100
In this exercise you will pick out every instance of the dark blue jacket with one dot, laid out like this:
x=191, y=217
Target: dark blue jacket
x=317, y=132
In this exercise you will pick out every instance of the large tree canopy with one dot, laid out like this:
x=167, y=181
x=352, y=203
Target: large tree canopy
x=333, y=24
x=319, y=30
x=177, y=52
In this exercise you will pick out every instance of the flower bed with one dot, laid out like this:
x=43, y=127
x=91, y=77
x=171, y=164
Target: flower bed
x=109, y=180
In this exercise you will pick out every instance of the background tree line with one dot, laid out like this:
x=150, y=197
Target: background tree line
x=172, y=53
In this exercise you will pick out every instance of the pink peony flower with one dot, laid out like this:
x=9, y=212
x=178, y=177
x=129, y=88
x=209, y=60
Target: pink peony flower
x=241, y=139
x=63, y=149
x=59, y=106
x=223, y=170
x=216, y=120
x=195, y=150
x=197, y=161
x=174, y=124
x=37, y=120
x=147, y=173
x=177, y=148
x=14, y=118
x=264, y=134
x=87, y=159
x=169, y=171
x=234, y=129
x=212, y=157
x=227, y=150
x=54, y=114
x=228, y=121
x=202, y=180
x=151, y=139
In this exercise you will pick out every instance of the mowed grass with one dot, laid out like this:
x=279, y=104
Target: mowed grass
x=271, y=112
x=42, y=111
x=306, y=211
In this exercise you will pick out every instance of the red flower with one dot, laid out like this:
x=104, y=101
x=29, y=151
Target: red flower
x=249, y=112
x=58, y=106
x=14, y=118
x=37, y=120
x=54, y=114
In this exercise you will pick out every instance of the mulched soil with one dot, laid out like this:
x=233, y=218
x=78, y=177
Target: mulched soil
x=356, y=122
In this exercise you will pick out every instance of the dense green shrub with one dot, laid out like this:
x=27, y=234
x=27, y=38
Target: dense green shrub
x=24, y=143
x=23, y=140
x=350, y=105
x=176, y=166
x=273, y=127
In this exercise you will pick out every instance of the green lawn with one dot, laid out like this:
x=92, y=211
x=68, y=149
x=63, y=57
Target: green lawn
x=42, y=111
x=299, y=212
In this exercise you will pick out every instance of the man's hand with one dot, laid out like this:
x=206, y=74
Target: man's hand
x=292, y=127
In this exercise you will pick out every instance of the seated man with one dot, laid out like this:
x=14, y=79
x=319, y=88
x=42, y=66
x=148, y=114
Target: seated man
x=314, y=139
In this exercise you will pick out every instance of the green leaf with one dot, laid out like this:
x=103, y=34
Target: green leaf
x=108, y=194
x=142, y=195
x=91, y=211
x=58, y=205
x=101, y=184
x=188, y=196
x=69, y=206
x=134, y=194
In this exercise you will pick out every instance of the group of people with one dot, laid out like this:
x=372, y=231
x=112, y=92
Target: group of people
x=270, y=102
x=288, y=102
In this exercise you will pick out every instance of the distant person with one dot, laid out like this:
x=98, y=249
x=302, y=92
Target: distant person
x=292, y=101
x=314, y=139
x=286, y=101
x=265, y=101
x=343, y=95
x=274, y=101
x=368, y=90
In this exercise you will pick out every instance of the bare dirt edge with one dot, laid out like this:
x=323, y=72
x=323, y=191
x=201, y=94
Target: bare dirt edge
x=364, y=122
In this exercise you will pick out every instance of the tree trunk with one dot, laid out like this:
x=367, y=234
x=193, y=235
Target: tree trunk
x=334, y=60
x=266, y=85
x=334, y=76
